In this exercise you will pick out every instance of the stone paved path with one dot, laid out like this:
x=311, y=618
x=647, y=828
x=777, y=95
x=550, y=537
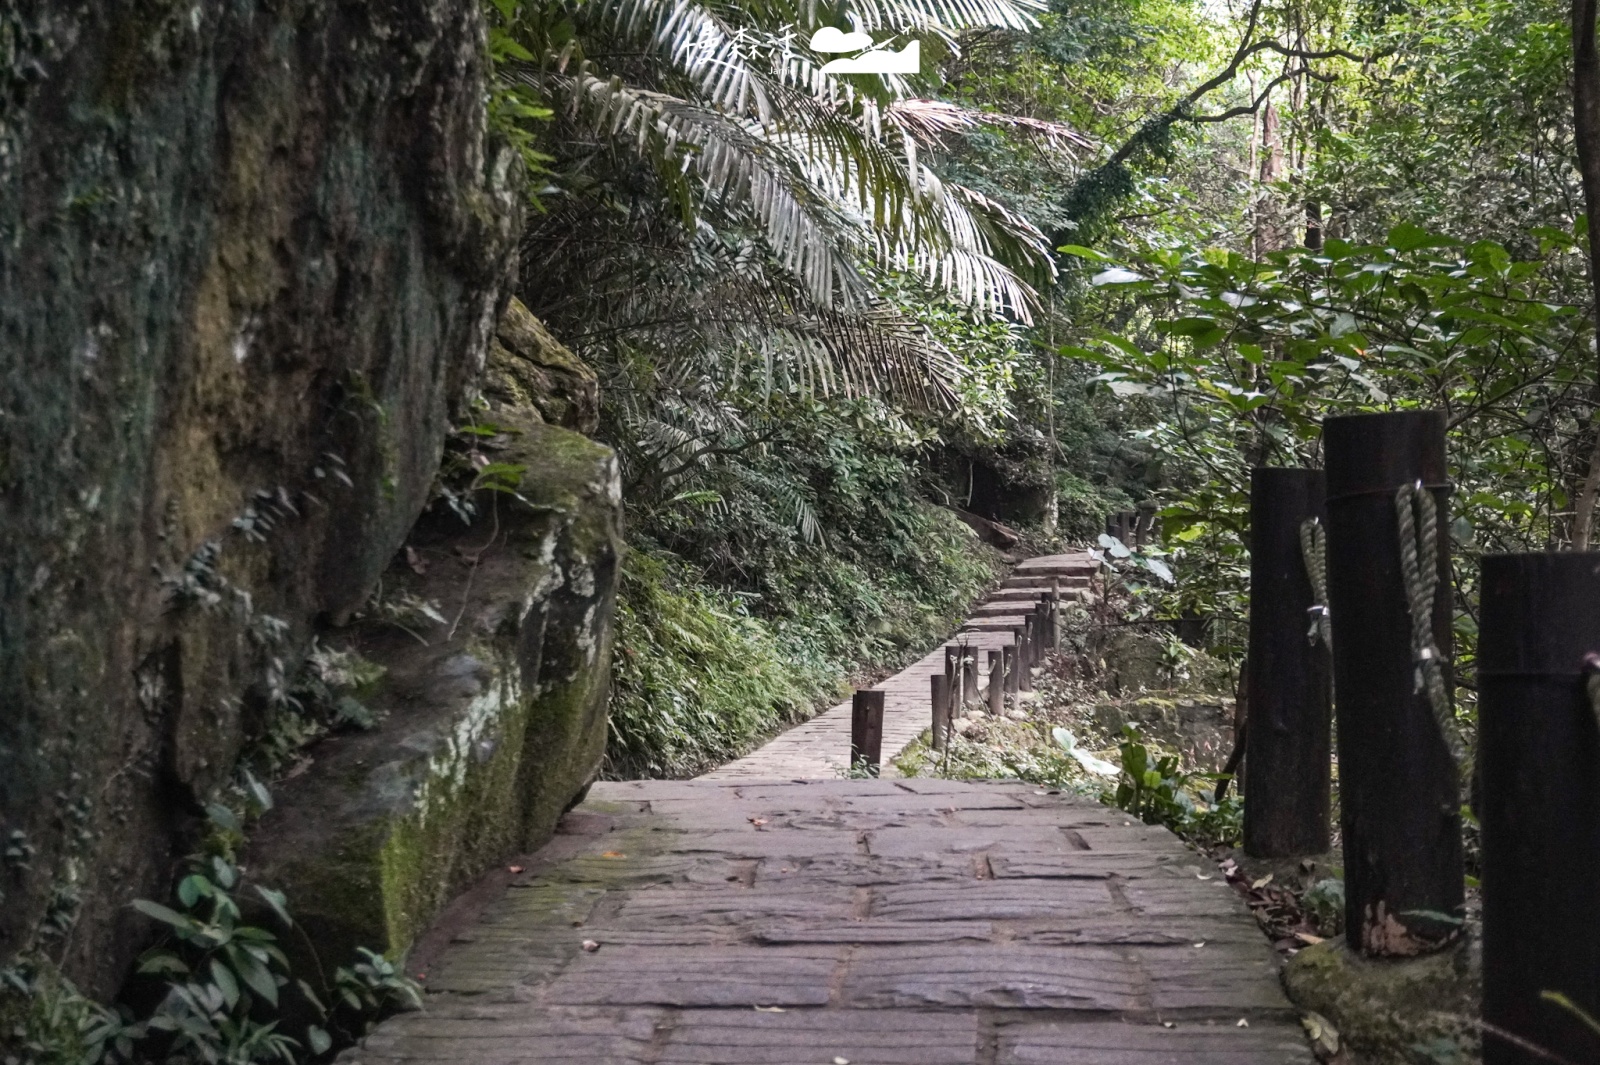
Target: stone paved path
x=852, y=922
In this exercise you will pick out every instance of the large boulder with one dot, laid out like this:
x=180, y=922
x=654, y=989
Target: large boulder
x=250, y=260
x=494, y=638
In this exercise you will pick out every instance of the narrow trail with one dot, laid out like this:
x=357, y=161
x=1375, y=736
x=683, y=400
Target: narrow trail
x=820, y=748
x=771, y=913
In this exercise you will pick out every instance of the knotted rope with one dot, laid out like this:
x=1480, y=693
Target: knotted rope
x=1419, y=565
x=1314, y=551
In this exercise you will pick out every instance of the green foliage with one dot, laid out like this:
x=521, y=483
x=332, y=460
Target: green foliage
x=697, y=679
x=1323, y=904
x=325, y=697
x=216, y=987
x=701, y=675
x=1156, y=789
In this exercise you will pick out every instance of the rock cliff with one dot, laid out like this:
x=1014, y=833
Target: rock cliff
x=251, y=256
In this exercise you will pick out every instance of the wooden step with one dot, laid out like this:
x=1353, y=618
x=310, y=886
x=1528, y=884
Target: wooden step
x=999, y=623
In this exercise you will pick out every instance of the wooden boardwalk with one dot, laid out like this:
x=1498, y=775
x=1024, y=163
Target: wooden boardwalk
x=735, y=921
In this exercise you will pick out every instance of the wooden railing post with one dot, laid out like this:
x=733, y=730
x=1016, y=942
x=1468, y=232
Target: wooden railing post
x=866, y=730
x=1399, y=786
x=969, y=675
x=1540, y=808
x=1011, y=656
x=952, y=670
x=1289, y=737
x=1024, y=658
x=997, y=682
x=941, y=710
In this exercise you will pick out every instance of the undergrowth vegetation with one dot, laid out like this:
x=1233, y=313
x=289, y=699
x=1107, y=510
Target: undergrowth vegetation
x=703, y=673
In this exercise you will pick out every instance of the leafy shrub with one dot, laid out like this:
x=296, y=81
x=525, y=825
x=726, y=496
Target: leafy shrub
x=696, y=678
x=218, y=986
x=1155, y=788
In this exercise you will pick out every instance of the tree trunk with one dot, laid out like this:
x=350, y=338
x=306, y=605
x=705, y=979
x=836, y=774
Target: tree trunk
x=1588, y=495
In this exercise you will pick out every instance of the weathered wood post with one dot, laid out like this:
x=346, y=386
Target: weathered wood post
x=997, y=682
x=1289, y=740
x=1024, y=637
x=1011, y=656
x=941, y=710
x=952, y=671
x=1540, y=758
x=866, y=730
x=1399, y=783
x=969, y=675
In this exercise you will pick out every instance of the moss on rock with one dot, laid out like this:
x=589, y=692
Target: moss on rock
x=1407, y=1011
x=494, y=723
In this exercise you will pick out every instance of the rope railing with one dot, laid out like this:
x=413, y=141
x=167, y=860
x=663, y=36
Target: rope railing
x=1418, y=514
x=1314, y=550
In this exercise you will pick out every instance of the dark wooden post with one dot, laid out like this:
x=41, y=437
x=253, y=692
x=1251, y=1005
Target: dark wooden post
x=1010, y=653
x=1540, y=758
x=1288, y=759
x=997, y=681
x=969, y=675
x=952, y=670
x=941, y=710
x=1399, y=787
x=1024, y=638
x=866, y=730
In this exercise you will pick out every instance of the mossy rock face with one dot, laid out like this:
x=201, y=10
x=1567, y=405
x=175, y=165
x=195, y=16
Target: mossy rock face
x=493, y=721
x=531, y=369
x=1407, y=1011
x=253, y=254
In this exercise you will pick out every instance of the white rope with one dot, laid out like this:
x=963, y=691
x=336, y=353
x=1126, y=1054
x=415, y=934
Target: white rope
x=1314, y=551
x=1419, y=565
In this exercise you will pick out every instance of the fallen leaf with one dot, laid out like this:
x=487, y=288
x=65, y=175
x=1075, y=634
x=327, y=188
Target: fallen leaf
x=1201, y=876
x=757, y=821
x=1242, y=1023
x=1169, y=1024
x=1308, y=939
x=513, y=868
x=418, y=564
x=841, y=1061
x=590, y=946
x=1200, y=944
x=613, y=854
x=771, y=1009
x=1263, y=882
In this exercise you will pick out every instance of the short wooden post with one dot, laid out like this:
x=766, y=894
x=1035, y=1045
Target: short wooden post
x=866, y=730
x=1289, y=741
x=1539, y=751
x=1009, y=651
x=997, y=681
x=1399, y=790
x=1024, y=638
x=941, y=710
x=952, y=671
x=969, y=675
